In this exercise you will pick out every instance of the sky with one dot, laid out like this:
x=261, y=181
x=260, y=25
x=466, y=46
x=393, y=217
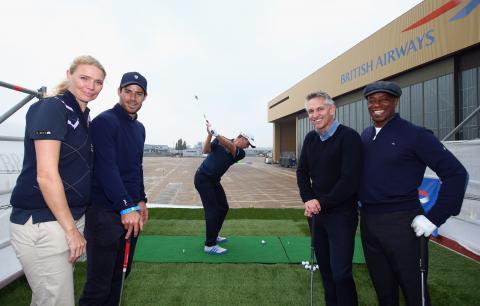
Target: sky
x=235, y=56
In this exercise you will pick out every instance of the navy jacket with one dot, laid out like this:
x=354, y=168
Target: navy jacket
x=55, y=118
x=118, y=141
x=394, y=166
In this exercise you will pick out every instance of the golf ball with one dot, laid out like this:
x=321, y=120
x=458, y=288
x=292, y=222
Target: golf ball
x=183, y=251
x=263, y=242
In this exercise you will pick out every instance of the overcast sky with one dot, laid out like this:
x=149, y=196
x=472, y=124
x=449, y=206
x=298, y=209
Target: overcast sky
x=234, y=55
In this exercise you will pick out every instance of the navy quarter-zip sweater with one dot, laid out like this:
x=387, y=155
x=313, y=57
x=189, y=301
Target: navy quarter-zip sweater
x=330, y=170
x=394, y=166
x=118, y=141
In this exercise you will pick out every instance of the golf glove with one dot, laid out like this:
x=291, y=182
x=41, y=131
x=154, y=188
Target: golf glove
x=422, y=226
x=213, y=131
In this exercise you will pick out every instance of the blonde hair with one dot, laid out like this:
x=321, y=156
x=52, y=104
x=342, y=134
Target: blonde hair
x=81, y=60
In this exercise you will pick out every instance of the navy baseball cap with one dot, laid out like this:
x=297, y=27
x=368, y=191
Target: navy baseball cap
x=136, y=78
x=382, y=86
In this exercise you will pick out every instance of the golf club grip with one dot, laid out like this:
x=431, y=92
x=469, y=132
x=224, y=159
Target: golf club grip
x=422, y=254
x=126, y=255
x=313, y=231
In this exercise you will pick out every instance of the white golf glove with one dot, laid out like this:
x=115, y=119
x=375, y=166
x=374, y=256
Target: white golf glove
x=422, y=226
x=213, y=131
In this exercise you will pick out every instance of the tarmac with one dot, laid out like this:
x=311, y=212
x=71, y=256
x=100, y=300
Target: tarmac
x=249, y=183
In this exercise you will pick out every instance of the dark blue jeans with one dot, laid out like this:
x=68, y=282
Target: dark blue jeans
x=334, y=243
x=215, y=205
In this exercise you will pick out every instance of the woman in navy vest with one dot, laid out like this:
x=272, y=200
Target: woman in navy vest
x=53, y=188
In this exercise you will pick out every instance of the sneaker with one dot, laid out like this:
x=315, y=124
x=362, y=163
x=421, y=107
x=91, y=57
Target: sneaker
x=221, y=239
x=214, y=250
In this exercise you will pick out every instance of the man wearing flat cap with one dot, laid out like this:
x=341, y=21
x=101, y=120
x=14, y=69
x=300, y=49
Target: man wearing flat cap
x=396, y=154
x=118, y=210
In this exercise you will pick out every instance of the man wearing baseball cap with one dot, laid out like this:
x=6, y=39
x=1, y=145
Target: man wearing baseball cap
x=222, y=153
x=396, y=154
x=118, y=211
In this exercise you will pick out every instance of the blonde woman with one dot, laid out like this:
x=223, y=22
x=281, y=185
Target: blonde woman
x=53, y=188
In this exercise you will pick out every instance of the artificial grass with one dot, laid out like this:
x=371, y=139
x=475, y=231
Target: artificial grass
x=241, y=249
x=453, y=279
x=235, y=213
x=231, y=227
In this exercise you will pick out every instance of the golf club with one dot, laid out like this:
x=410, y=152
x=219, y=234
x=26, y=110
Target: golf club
x=423, y=267
x=201, y=108
x=125, y=265
x=312, y=256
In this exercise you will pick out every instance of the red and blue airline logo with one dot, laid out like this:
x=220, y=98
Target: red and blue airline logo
x=467, y=9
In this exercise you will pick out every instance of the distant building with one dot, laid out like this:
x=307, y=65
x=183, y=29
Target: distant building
x=156, y=150
x=257, y=151
x=192, y=152
x=164, y=150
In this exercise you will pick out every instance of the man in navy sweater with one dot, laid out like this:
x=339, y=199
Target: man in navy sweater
x=118, y=210
x=328, y=176
x=396, y=154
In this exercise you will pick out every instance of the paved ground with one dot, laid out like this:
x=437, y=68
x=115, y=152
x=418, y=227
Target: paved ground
x=250, y=183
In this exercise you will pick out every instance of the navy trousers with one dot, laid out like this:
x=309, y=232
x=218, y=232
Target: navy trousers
x=334, y=243
x=215, y=205
x=105, y=237
x=392, y=253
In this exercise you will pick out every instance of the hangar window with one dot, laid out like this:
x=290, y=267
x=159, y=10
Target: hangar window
x=469, y=84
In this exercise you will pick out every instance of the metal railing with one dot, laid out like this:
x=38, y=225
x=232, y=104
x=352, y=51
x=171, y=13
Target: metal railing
x=458, y=127
x=39, y=94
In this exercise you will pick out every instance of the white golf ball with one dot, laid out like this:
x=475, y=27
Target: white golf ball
x=263, y=242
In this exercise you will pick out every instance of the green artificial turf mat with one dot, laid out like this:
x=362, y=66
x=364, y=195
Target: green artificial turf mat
x=298, y=249
x=241, y=249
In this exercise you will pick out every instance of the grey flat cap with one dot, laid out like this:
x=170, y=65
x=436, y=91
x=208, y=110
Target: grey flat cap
x=382, y=86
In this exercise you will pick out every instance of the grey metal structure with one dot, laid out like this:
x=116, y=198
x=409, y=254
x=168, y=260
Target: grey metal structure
x=11, y=153
x=458, y=127
x=40, y=93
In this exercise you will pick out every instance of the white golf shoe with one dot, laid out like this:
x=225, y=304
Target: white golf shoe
x=215, y=250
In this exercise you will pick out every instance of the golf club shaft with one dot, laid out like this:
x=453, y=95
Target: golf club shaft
x=201, y=108
x=423, y=267
x=125, y=266
x=312, y=256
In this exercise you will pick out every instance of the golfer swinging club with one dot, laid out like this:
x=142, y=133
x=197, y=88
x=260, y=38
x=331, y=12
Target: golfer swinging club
x=222, y=153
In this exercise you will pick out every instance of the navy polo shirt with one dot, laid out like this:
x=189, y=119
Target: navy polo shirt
x=55, y=118
x=118, y=141
x=219, y=160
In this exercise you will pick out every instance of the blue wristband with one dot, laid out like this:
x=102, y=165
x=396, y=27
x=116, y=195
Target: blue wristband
x=129, y=210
